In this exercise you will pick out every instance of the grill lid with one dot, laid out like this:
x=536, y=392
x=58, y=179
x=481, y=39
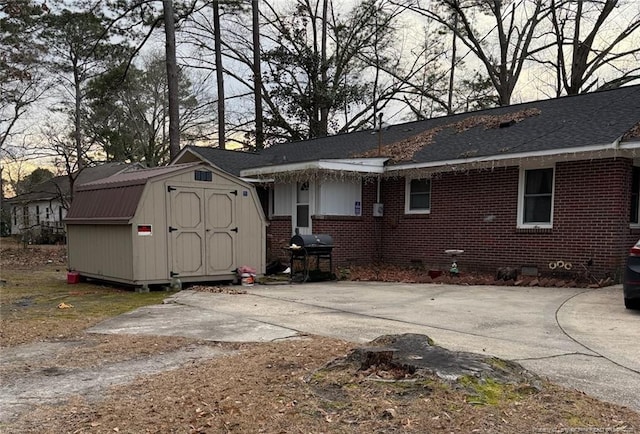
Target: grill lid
x=313, y=240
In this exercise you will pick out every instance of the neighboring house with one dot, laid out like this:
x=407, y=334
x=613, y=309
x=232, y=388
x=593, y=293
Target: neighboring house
x=42, y=210
x=549, y=186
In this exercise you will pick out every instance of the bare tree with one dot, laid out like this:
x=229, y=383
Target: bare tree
x=129, y=120
x=582, y=58
x=172, y=77
x=320, y=64
x=217, y=43
x=257, y=73
x=503, y=49
x=22, y=81
x=80, y=49
x=132, y=14
x=308, y=67
x=240, y=48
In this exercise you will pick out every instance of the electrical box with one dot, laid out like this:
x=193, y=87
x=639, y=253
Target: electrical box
x=378, y=209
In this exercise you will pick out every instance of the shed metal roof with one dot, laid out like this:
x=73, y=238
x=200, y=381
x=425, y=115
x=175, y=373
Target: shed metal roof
x=115, y=199
x=136, y=177
x=107, y=205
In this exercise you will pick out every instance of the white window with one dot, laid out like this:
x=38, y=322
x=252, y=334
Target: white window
x=418, y=196
x=281, y=200
x=340, y=198
x=535, y=204
x=303, y=199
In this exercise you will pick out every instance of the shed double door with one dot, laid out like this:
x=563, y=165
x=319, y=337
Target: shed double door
x=202, y=231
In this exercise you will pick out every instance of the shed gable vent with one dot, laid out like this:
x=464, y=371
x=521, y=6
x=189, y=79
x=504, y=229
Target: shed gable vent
x=203, y=175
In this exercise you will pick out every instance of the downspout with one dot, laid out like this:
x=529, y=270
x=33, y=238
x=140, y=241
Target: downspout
x=616, y=143
x=379, y=219
x=379, y=181
x=380, y=135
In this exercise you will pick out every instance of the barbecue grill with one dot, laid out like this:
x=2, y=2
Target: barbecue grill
x=306, y=247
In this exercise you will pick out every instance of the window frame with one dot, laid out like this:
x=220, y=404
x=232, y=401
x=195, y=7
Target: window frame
x=300, y=203
x=521, y=198
x=26, y=221
x=280, y=200
x=407, y=197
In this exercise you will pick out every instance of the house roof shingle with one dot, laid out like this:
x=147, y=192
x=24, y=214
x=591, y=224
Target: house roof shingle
x=229, y=161
x=561, y=124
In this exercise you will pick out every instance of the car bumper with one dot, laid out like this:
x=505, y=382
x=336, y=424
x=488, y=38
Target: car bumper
x=631, y=283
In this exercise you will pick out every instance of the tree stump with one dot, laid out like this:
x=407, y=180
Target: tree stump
x=374, y=356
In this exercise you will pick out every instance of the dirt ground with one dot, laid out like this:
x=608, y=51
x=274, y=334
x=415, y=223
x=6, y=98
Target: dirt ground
x=56, y=378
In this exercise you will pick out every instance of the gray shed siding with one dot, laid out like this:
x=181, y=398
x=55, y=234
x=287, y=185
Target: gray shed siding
x=150, y=258
x=103, y=251
x=104, y=243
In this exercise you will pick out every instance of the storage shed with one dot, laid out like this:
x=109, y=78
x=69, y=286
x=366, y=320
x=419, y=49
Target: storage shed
x=189, y=221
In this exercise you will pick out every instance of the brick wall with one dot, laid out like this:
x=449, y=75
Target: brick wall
x=357, y=240
x=278, y=237
x=477, y=212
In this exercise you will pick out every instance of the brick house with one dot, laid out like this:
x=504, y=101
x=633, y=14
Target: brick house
x=549, y=186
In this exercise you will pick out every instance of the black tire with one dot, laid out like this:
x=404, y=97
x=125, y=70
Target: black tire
x=631, y=303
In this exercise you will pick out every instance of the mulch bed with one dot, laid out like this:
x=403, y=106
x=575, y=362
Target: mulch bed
x=397, y=273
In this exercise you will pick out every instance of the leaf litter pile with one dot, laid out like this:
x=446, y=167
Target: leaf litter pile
x=309, y=384
x=405, y=150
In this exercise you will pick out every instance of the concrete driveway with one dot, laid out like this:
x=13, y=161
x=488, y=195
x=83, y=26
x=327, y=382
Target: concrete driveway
x=581, y=338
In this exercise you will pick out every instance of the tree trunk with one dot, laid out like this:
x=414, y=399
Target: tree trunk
x=77, y=135
x=172, y=78
x=257, y=75
x=217, y=43
x=324, y=109
x=453, y=68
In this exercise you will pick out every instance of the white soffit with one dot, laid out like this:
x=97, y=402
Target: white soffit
x=363, y=165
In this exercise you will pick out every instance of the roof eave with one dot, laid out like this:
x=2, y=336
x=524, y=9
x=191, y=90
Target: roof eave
x=359, y=165
x=605, y=150
x=98, y=221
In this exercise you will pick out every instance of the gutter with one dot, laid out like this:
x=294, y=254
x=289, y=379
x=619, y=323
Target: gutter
x=359, y=165
x=486, y=160
x=378, y=165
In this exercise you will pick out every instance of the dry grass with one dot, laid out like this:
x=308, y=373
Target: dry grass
x=35, y=284
x=280, y=387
